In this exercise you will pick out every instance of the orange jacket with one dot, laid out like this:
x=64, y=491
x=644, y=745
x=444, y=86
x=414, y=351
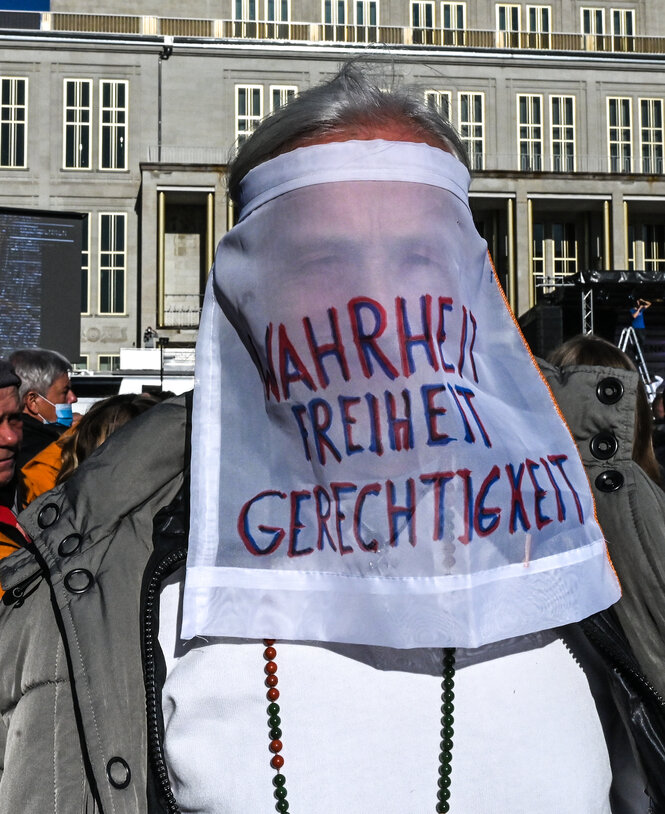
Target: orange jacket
x=39, y=474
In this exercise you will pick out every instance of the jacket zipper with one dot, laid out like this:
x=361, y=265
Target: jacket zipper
x=618, y=660
x=155, y=748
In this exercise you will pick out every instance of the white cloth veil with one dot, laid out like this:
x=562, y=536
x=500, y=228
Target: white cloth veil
x=376, y=457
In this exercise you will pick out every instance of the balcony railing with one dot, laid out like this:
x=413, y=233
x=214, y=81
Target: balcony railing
x=321, y=32
x=491, y=162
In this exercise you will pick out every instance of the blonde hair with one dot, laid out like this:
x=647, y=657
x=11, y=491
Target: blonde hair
x=101, y=420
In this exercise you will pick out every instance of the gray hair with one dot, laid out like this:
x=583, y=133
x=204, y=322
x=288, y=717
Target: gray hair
x=38, y=369
x=349, y=99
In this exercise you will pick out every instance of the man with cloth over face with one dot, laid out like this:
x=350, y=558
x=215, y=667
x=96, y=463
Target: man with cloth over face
x=389, y=526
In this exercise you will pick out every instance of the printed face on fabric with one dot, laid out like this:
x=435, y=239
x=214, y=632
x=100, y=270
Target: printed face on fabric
x=390, y=423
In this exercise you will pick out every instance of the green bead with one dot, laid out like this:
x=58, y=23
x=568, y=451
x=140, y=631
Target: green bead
x=446, y=745
x=273, y=709
x=278, y=780
x=448, y=684
x=447, y=708
x=446, y=756
x=274, y=720
x=442, y=808
x=444, y=782
x=280, y=793
x=282, y=805
x=445, y=769
x=275, y=733
x=443, y=794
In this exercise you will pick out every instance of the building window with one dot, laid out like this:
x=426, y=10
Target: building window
x=78, y=123
x=472, y=127
x=82, y=362
x=278, y=11
x=108, y=362
x=249, y=110
x=593, y=28
x=554, y=255
x=563, y=133
x=334, y=12
x=367, y=13
x=651, y=135
x=539, y=28
x=422, y=21
x=281, y=95
x=85, y=265
x=623, y=29
x=278, y=15
x=453, y=23
x=112, y=262
x=530, y=132
x=439, y=100
x=646, y=243
x=13, y=121
x=508, y=25
x=620, y=137
x=113, y=125
x=245, y=10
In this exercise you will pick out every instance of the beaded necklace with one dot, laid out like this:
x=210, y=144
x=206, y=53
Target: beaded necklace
x=447, y=720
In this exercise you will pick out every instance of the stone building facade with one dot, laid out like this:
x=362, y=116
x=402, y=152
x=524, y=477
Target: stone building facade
x=129, y=112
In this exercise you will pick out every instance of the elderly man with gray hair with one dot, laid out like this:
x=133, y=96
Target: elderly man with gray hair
x=46, y=397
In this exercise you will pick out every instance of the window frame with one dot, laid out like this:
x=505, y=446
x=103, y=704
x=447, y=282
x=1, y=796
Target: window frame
x=278, y=4
x=245, y=8
x=508, y=37
x=16, y=128
x=656, y=146
x=117, y=130
x=366, y=6
x=453, y=34
x=335, y=7
x=539, y=37
x=530, y=140
x=620, y=142
x=284, y=90
x=116, y=270
x=438, y=96
x=77, y=126
x=242, y=135
x=110, y=356
x=476, y=159
x=563, y=126
x=423, y=6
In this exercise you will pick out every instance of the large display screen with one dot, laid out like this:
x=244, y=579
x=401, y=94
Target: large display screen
x=40, y=281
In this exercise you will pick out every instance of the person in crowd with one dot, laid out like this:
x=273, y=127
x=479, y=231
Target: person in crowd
x=56, y=462
x=392, y=535
x=46, y=396
x=11, y=433
x=638, y=323
x=606, y=407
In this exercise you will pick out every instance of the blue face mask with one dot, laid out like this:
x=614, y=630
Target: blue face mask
x=63, y=414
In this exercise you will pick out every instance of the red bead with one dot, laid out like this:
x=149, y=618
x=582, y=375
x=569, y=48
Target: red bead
x=272, y=694
x=275, y=746
x=271, y=681
x=268, y=642
x=277, y=762
x=270, y=667
x=269, y=653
